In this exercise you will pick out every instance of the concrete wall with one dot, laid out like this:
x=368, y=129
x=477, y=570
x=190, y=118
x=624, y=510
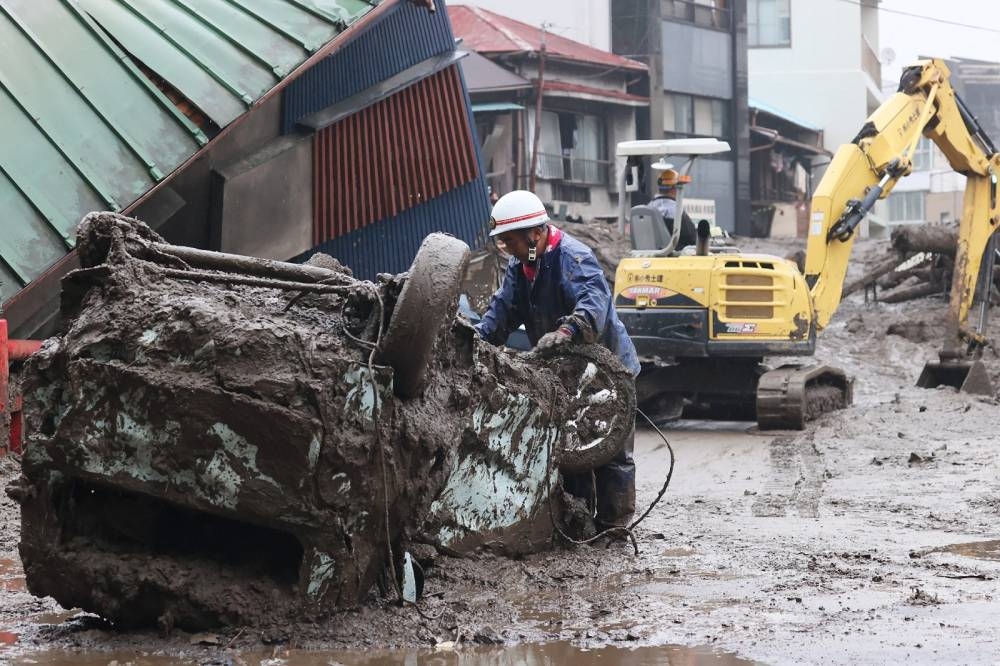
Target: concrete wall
x=819, y=78
x=943, y=206
x=189, y=224
x=262, y=204
x=586, y=21
x=251, y=193
x=715, y=179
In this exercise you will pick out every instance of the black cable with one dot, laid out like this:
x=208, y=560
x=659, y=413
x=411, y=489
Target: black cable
x=620, y=531
x=923, y=16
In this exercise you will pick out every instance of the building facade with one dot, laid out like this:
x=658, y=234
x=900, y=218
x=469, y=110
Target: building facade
x=697, y=56
x=587, y=105
x=817, y=60
x=782, y=153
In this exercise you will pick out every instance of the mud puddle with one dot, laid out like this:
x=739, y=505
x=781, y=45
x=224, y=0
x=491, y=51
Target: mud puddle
x=544, y=654
x=11, y=576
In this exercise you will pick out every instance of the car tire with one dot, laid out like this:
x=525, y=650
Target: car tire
x=426, y=301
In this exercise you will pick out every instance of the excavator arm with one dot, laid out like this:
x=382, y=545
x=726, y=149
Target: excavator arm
x=868, y=168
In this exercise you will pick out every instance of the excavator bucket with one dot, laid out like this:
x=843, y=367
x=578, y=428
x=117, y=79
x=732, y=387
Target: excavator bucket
x=966, y=376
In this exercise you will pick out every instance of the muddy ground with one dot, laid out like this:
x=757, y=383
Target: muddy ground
x=870, y=537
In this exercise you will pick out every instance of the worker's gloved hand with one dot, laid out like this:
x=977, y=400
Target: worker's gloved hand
x=557, y=338
x=581, y=327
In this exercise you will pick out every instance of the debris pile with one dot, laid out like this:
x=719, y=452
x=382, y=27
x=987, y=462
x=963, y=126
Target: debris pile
x=609, y=246
x=918, y=262
x=210, y=447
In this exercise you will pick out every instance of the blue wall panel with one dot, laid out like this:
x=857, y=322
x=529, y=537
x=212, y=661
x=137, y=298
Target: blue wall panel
x=405, y=36
x=389, y=245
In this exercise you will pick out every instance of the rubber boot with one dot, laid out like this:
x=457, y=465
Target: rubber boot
x=616, y=487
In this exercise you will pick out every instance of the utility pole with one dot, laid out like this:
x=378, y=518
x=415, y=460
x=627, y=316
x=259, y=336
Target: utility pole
x=538, y=111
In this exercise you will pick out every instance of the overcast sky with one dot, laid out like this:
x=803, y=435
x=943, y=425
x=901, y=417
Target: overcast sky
x=910, y=37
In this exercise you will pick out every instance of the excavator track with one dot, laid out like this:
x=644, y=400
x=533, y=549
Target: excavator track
x=790, y=396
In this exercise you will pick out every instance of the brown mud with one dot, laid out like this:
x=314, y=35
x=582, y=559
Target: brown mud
x=833, y=545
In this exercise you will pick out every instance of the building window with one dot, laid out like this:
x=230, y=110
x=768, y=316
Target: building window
x=696, y=116
x=573, y=147
x=769, y=23
x=708, y=13
x=906, y=207
x=570, y=193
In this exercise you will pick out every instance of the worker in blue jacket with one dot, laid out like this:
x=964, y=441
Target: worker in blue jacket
x=556, y=288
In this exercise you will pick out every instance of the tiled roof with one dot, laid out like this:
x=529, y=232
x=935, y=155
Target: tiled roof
x=487, y=32
x=590, y=91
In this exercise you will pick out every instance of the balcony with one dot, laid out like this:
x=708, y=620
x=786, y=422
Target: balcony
x=573, y=169
x=870, y=63
x=708, y=14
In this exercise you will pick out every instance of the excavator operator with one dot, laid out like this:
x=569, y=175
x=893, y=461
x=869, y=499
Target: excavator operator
x=556, y=288
x=666, y=203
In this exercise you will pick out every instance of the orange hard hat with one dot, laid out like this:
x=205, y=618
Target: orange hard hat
x=669, y=178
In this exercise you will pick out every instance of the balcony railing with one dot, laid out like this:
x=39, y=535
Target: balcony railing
x=573, y=169
x=699, y=13
x=870, y=63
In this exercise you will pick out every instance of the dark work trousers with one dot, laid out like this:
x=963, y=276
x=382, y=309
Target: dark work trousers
x=615, y=486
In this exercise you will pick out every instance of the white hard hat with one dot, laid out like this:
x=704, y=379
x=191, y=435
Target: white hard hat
x=519, y=209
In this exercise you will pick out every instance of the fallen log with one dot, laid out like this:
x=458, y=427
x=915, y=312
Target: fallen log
x=909, y=293
x=936, y=238
x=892, y=280
x=885, y=266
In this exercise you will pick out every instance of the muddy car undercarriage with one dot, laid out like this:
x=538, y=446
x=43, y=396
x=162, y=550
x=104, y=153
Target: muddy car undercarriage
x=223, y=440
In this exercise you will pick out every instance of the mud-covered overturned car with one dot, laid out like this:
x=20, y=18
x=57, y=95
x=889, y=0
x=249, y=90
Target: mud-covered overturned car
x=218, y=439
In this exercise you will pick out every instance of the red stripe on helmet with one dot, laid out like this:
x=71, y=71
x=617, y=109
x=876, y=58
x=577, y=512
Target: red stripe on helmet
x=521, y=218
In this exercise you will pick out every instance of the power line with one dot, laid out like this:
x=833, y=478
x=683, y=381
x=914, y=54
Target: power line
x=924, y=16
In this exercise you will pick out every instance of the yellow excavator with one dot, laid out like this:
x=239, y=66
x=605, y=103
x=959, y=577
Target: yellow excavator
x=703, y=318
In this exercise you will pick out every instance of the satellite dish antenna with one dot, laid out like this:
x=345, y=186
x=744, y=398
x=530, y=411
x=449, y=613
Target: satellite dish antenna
x=888, y=56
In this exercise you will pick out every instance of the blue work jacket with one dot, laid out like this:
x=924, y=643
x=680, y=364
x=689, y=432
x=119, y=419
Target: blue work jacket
x=568, y=280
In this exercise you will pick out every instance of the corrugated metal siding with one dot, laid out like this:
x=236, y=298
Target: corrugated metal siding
x=389, y=245
x=396, y=154
x=405, y=36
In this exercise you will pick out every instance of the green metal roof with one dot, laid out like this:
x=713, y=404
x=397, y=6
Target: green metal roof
x=83, y=125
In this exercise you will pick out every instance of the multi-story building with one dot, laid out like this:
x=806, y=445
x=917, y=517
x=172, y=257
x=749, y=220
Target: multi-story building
x=817, y=60
x=697, y=56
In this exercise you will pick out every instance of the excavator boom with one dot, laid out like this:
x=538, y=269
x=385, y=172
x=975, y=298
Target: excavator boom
x=868, y=168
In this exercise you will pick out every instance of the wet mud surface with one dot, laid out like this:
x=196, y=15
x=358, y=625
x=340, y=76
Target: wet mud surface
x=868, y=538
